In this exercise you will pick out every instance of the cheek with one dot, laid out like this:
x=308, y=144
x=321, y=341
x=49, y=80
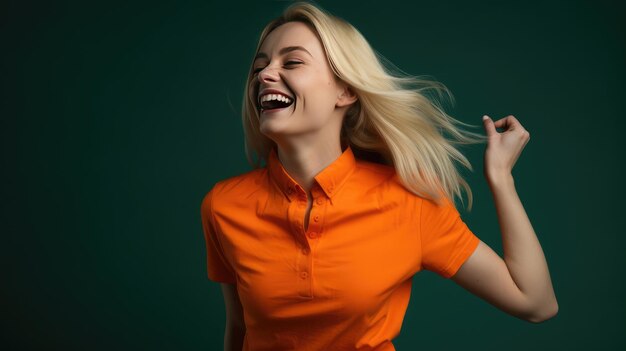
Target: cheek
x=324, y=98
x=317, y=94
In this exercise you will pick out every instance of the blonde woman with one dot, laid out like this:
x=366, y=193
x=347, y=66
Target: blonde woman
x=317, y=249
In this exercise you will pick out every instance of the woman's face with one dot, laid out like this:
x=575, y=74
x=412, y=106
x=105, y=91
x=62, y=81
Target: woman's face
x=305, y=77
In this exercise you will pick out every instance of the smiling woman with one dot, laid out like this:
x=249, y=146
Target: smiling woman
x=321, y=58
x=300, y=74
x=317, y=249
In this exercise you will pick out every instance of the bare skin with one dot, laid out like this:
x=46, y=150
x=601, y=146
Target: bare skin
x=307, y=133
x=520, y=283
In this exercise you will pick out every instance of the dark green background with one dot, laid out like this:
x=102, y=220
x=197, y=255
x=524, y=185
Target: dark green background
x=118, y=117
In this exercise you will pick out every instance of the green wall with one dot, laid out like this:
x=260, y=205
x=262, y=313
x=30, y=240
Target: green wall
x=118, y=117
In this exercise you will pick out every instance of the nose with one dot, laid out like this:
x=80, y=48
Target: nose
x=268, y=74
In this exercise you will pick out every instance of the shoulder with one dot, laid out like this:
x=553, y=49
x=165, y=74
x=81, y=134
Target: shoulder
x=383, y=178
x=370, y=172
x=391, y=188
x=237, y=187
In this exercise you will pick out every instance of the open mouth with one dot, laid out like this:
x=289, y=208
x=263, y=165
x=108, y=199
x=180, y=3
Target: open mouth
x=275, y=104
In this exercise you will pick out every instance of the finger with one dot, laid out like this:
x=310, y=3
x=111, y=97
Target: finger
x=508, y=123
x=512, y=124
x=489, y=126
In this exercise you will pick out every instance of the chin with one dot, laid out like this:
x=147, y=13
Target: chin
x=281, y=128
x=270, y=127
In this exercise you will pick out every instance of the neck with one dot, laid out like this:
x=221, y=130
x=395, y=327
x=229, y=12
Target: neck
x=304, y=161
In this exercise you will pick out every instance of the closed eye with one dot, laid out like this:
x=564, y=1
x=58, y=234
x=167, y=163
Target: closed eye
x=286, y=63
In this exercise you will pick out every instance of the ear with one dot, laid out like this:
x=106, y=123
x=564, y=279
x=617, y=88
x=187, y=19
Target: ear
x=346, y=96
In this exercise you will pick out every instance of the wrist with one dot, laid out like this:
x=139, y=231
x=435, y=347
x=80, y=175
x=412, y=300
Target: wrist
x=499, y=180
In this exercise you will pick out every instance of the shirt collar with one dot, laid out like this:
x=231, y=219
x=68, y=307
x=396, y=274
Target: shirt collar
x=330, y=179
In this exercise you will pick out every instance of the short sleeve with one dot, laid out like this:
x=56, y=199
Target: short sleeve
x=446, y=240
x=218, y=268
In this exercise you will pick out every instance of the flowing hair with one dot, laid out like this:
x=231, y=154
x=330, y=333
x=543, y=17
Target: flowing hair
x=396, y=120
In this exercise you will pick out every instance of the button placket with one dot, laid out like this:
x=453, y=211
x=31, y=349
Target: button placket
x=311, y=233
x=297, y=210
x=315, y=218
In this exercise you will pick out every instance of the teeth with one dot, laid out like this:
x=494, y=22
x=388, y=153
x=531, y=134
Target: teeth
x=278, y=97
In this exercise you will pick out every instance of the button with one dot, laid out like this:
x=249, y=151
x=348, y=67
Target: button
x=317, y=218
x=320, y=201
x=303, y=275
x=290, y=190
x=312, y=235
x=305, y=250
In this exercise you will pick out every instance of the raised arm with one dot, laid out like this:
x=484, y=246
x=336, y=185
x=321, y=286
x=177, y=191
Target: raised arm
x=520, y=283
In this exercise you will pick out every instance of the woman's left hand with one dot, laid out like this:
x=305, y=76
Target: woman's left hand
x=503, y=149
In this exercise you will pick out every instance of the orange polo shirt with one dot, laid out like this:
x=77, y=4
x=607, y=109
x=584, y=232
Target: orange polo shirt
x=343, y=283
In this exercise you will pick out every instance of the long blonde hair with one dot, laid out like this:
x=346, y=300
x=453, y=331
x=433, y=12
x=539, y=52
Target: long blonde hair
x=394, y=121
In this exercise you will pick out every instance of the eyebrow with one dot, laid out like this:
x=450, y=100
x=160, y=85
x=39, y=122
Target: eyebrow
x=283, y=51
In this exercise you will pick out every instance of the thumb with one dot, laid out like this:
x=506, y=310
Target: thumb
x=489, y=126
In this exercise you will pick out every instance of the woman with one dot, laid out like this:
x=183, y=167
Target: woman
x=317, y=250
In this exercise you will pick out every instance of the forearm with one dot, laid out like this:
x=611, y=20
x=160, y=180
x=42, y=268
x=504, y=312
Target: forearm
x=522, y=251
x=233, y=337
